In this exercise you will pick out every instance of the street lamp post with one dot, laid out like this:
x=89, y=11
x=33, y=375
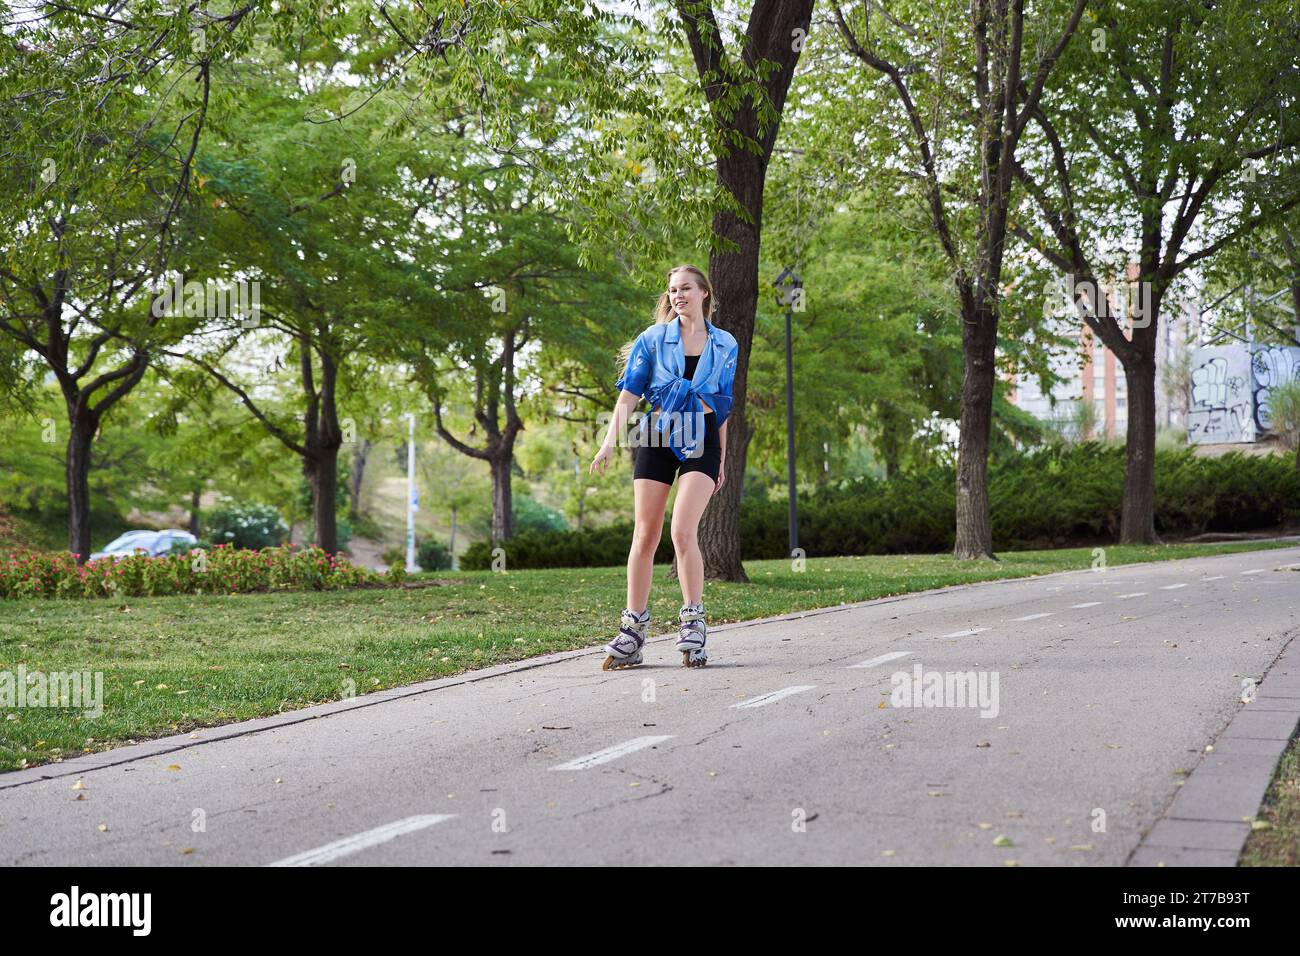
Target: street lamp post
x=412, y=498
x=789, y=290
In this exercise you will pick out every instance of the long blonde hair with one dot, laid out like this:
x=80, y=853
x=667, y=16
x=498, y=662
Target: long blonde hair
x=664, y=308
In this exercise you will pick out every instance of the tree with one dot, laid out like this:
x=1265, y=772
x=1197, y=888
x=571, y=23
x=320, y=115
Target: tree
x=965, y=85
x=515, y=300
x=99, y=145
x=877, y=346
x=81, y=246
x=1198, y=93
x=744, y=83
x=319, y=212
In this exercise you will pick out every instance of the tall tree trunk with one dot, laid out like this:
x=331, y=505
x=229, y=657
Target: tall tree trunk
x=502, y=516
x=322, y=472
x=769, y=36
x=1137, y=354
x=195, y=496
x=323, y=440
x=974, y=537
x=358, y=472
x=492, y=386
x=735, y=282
x=892, y=451
x=1137, y=524
x=82, y=426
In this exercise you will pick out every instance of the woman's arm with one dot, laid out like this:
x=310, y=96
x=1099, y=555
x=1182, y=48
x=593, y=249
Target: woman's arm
x=618, y=423
x=722, y=438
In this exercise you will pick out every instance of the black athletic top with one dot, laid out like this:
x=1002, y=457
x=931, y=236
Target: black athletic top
x=691, y=362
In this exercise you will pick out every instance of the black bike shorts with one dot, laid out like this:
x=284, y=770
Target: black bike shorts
x=660, y=464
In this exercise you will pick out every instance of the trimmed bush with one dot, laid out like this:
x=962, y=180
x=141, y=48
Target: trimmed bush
x=432, y=555
x=245, y=525
x=222, y=570
x=590, y=547
x=1057, y=496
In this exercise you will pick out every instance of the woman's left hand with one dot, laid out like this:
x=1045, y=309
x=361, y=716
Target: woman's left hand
x=722, y=475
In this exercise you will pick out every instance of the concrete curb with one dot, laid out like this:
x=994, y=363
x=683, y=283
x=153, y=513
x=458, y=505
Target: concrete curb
x=1210, y=817
x=164, y=745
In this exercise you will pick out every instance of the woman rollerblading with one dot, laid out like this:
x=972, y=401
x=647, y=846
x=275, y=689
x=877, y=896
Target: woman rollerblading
x=685, y=367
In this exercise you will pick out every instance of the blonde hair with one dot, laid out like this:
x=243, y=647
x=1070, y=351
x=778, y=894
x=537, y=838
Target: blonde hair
x=664, y=308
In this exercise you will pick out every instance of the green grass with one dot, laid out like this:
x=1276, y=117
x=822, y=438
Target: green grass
x=171, y=664
x=1277, y=843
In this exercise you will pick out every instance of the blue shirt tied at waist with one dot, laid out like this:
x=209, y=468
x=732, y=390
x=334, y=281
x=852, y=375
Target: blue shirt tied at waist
x=656, y=371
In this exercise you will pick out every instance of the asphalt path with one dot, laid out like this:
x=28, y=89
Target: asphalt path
x=1093, y=694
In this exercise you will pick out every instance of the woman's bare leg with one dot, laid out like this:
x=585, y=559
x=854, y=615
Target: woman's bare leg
x=649, y=498
x=694, y=489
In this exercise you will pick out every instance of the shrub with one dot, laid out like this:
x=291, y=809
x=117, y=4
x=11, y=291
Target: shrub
x=222, y=570
x=529, y=515
x=248, y=525
x=1056, y=496
x=433, y=556
x=590, y=547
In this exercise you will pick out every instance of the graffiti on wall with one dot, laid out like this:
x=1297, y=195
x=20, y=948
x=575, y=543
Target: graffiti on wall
x=1271, y=366
x=1230, y=388
x=1221, y=406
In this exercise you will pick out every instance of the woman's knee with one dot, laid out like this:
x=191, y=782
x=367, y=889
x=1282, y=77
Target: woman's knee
x=645, y=540
x=684, y=537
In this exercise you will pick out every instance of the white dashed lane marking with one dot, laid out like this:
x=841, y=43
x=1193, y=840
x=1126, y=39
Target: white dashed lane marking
x=1133, y=595
x=773, y=697
x=614, y=752
x=966, y=633
x=362, y=841
x=1086, y=604
x=1256, y=571
x=1172, y=587
x=882, y=659
x=1033, y=617
x=1217, y=577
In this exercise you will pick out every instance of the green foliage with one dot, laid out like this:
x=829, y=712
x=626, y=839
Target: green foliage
x=530, y=515
x=590, y=547
x=1060, y=495
x=223, y=570
x=245, y=525
x=433, y=556
x=1284, y=413
x=365, y=526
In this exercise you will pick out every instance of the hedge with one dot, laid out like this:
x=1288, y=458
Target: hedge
x=1057, y=496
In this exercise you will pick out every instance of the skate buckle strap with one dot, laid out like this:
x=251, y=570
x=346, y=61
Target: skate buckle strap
x=691, y=612
x=627, y=642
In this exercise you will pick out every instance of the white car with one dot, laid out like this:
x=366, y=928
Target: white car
x=153, y=543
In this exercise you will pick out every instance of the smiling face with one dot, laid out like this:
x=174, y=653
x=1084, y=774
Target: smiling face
x=686, y=296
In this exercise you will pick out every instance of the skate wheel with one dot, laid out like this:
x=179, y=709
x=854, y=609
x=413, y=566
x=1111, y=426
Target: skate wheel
x=610, y=664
